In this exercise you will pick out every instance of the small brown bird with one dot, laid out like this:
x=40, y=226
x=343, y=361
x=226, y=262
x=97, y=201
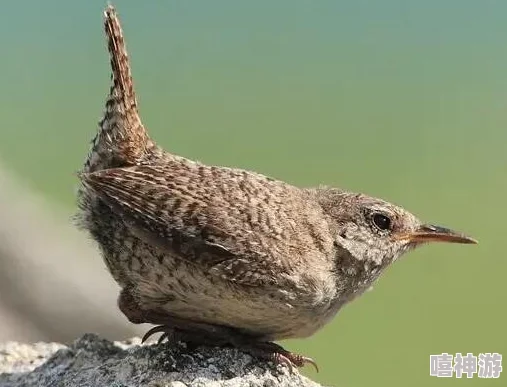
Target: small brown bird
x=224, y=256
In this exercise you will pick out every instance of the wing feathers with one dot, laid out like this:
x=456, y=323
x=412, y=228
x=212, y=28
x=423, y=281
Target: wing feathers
x=177, y=220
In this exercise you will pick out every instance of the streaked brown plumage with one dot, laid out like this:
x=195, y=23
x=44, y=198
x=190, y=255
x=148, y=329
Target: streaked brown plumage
x=227, y=256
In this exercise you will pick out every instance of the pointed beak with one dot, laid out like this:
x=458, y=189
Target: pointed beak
x=431, y=233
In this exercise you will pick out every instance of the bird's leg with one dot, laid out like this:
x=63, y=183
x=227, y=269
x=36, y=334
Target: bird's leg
x=191, y=332
x=192, y=338
x=227, y=337
x=196, y=334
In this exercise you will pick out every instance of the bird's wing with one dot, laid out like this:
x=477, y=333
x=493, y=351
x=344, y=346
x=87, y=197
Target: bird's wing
x=241, y=226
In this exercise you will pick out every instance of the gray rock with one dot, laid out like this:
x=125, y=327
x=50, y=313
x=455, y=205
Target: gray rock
x=92, y=361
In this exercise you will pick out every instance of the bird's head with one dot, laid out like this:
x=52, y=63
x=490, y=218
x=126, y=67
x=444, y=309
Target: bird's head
x=378, y=232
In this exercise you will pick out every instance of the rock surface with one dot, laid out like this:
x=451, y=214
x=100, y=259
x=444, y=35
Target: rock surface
x=92, y=361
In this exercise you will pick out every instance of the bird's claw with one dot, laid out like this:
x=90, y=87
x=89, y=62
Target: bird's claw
x=299, y=361
x=279, y=355
x=293, y=360
x=166, y=333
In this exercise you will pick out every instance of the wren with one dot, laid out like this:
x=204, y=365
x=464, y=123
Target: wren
x=223, y=256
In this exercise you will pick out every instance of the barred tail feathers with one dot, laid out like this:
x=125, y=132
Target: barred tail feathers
x=121, y=139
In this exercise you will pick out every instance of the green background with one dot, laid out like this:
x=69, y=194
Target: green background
x=406, y=100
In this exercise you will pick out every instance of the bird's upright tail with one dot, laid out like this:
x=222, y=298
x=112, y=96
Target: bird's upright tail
x=121, y=139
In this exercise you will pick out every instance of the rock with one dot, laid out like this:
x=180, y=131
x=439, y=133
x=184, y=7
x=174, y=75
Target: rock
x=92, y=361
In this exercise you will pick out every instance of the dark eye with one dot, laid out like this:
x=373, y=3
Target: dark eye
x=381, y=221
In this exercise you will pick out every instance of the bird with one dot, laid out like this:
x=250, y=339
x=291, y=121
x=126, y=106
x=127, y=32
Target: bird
x=223, y=256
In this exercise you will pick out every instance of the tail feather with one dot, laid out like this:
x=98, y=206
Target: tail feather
x=121, y=139
x=122, y=77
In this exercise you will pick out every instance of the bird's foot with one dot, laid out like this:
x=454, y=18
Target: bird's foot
x=278, y=355
x=192, y=338
x=264, y=350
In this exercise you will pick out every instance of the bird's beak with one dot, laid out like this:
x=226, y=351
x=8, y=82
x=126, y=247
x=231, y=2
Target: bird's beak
x=431, y=233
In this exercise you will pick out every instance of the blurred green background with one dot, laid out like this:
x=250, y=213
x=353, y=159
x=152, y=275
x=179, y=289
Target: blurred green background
x=405, y=100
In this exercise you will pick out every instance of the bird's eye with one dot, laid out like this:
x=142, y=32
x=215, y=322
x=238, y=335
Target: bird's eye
x=381, y=221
